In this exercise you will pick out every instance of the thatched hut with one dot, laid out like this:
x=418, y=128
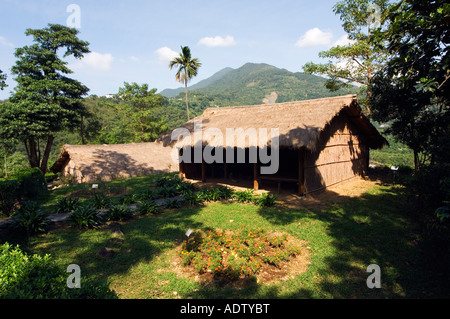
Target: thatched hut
x=322, y=142
x=90, y=163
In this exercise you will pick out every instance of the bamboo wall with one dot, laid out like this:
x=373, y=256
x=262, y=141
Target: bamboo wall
x=340, y=155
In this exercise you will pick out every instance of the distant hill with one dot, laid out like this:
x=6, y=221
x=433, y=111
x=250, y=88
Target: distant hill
x=202, y=84
x=256, y=84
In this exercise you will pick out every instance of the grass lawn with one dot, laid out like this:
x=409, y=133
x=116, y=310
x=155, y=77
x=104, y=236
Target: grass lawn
x=341, y=241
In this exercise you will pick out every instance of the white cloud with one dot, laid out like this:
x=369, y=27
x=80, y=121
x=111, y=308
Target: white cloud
x=166, y=54
x=5, y=42
x=95, y=60
x=314, y=37
x=343, y=41
x=134, y=59
x=217, y=41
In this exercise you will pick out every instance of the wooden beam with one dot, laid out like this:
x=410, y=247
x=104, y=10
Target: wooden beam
x=203, y=170
x=301, y=171
x=255, y=176
x=182, y=174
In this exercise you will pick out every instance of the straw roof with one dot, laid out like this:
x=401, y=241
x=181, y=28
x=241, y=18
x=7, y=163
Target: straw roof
x=107, y=162
x=299, y=123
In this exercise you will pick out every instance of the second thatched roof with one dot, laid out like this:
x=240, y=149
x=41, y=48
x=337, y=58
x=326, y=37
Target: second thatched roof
x=299, y=123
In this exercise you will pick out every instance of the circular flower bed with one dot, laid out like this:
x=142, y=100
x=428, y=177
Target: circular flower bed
x=233, y=256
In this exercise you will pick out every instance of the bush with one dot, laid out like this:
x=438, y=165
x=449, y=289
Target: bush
x=148, y=207
x=25, y=276
x=192, y=198
x=85, y=217
x=265, y=200
x=173, y=203
x=244, y=196
x=8, y=195
x=30, y=218
x=32, y=183
x=100, y=201
x=66, y=204
x=167, y=191
x=118, y=213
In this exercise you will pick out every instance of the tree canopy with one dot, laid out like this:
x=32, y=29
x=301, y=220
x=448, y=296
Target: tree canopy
x=187, y=69
x=45, y=100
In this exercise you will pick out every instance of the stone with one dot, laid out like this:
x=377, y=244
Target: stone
x=106, y=252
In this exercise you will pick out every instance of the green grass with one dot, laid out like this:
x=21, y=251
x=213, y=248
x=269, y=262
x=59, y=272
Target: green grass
x=344, y=239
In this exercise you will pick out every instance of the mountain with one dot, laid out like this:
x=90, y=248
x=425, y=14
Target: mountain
x=202, y=84
x=257, y=83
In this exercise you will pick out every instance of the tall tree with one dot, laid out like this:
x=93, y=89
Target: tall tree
x=2, y=80
x=45, y=100
x=187, y=69
x=140, y=104
x=412, y=91
x=359, y=59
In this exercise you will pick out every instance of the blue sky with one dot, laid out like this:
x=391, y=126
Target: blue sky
x=132, y=41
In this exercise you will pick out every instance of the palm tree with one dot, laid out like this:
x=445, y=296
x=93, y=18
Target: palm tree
x=187, y=69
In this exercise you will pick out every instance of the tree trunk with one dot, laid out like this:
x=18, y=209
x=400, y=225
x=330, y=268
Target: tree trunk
x=187, y=104
x=31, y=152
x=416, y=161
x=48, y=148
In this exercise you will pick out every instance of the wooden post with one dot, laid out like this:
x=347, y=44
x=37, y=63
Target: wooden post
x=301, y=171
x=203, y=170
x=255, y=176
x=225, y=166
x=181, y=165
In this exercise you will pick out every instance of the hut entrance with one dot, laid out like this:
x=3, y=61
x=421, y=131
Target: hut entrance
x=290, y=174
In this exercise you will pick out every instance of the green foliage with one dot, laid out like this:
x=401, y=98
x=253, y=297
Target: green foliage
x=148, y=207
x=100, y=201
x=244, y=196
x=85, y=216
x=173, y=203
x=167, y=191
x=45, y=100
x=265, y=200
x=66, y=204
x=8, y=195
x=356, y=61
x=138, y=112
x=187, y=69
x=118, y=213
x=32, y=182
x=30, y=217
x=24, y=276
x=2, y=80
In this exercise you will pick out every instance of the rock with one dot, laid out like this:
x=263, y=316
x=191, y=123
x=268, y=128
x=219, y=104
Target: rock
x=115, y=240
x=106, y=252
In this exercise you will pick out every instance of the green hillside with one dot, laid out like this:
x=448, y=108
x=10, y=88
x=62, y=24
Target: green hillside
x=262, y=83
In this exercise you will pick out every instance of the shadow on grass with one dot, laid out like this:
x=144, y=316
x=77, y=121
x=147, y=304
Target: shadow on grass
x=345, y=238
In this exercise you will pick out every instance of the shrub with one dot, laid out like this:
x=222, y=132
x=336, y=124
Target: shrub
x=85, y=217
x=30, y=218
x=100, y=201
x=167, y=191
x=265, y=200
x=8, y=195
x=192, y=198
x=173, y=203
x=32, y=183
x=25, y=276
x=148, y=207
x=66, y=204
x=244, y=196
x=118, y=213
